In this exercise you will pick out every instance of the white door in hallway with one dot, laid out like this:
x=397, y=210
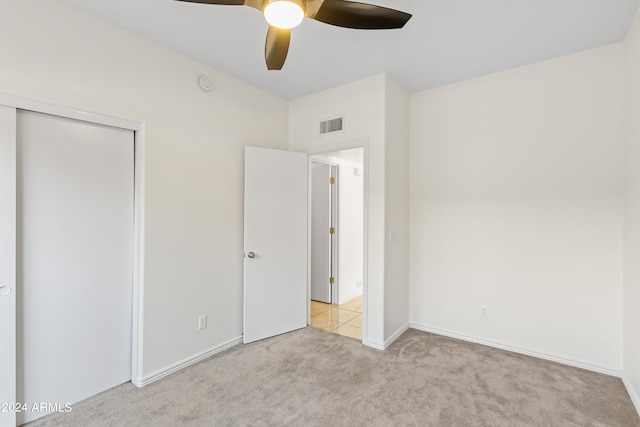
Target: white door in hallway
x=321, y=235
x=275, y=242
x=75, y=210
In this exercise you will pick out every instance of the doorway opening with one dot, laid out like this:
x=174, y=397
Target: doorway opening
x=337, y=250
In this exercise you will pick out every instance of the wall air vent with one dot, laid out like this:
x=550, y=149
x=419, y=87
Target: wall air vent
x=333, y=125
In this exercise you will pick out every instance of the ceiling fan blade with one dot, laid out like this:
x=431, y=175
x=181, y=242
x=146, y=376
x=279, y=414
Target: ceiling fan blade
x=276, y=47
x=223, y=2
x=256, y=4
x=362, y=16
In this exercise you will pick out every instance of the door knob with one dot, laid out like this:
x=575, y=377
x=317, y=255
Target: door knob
x=251, y=255
x=4, y=291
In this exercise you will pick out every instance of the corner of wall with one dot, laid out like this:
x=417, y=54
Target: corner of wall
x=396, y=277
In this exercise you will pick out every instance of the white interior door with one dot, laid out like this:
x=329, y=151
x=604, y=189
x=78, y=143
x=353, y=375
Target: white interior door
x=7, y=265
x=275, y=242
x=75, y=254
x=321, y=244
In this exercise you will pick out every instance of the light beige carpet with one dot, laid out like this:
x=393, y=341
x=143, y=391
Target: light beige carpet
x=314, y=378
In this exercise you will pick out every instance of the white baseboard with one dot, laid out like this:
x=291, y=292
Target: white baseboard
x=607, y=370
x=374, y=344
x=632, y=392
x=141, y=382
x=396, y=335
x=388, y=342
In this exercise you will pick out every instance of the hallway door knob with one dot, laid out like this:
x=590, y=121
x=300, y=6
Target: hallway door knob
x=251, y=255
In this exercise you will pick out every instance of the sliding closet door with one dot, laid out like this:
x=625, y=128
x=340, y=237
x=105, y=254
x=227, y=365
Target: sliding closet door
x=75, y=184
x=7, y=265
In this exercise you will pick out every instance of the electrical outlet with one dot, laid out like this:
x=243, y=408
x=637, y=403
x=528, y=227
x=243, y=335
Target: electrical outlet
x=484, y=311
x=202, y=322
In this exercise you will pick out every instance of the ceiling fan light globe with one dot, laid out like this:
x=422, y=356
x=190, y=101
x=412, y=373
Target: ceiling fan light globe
x=284, y=14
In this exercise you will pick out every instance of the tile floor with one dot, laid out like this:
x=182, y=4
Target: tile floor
x=345, y=319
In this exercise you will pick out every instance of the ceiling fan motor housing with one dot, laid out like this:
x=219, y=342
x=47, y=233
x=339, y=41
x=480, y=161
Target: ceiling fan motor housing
x=284, y=14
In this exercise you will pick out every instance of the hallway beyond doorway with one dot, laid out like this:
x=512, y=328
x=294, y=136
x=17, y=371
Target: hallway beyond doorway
x=345, y=319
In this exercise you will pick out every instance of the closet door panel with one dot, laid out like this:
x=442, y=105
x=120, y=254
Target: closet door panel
x=75, y=250
x=7, y=265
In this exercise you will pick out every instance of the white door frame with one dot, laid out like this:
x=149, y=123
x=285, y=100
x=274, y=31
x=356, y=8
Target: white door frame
x=138, y=228
x=364, y=144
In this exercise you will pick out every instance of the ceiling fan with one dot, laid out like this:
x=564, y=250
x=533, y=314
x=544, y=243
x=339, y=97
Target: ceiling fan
x=282, y=15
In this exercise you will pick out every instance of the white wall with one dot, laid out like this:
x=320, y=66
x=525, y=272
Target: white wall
x=632, y=213
x=516, y=203
x=396, y=291
x=362, y=104
x=194, y=158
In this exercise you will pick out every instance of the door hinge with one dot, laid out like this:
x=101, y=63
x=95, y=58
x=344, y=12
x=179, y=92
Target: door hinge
x=332, y=230
x=331, y=280
x=332, y=180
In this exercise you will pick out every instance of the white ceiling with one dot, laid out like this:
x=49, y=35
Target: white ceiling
x=445, y=41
